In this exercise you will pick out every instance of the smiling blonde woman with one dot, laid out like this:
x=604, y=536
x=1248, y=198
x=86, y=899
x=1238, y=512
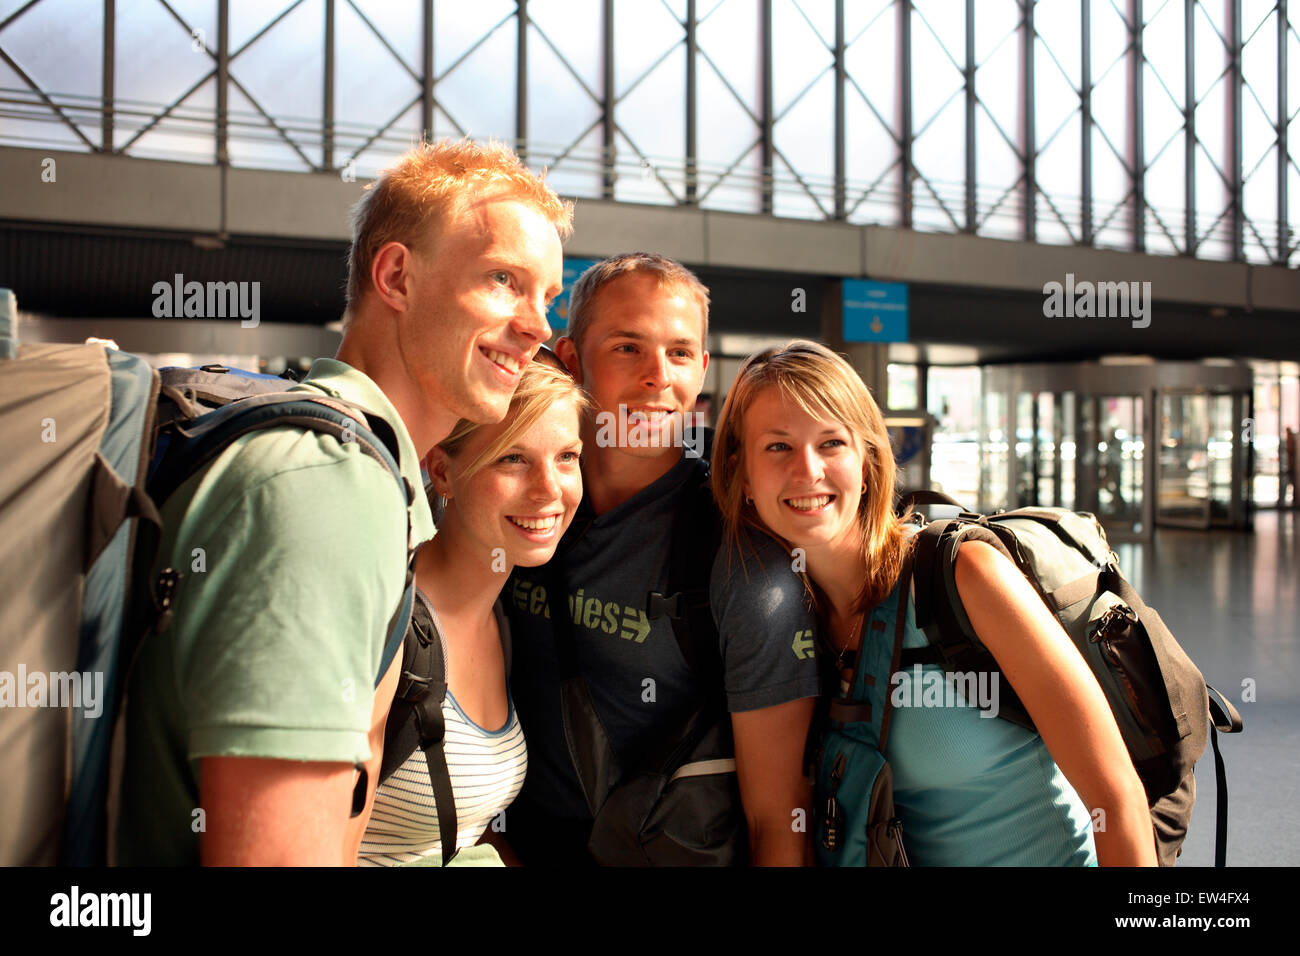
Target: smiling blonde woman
x=507, y=493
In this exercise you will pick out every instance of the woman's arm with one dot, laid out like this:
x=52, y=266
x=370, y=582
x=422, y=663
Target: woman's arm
x=769, y=766
x=1067, y=705
x=499, y=842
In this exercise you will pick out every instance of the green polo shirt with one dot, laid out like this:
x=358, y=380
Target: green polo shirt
x=292, y=548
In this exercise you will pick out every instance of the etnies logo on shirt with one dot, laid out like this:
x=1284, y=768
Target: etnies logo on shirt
x=803, y=646
x=597, y=616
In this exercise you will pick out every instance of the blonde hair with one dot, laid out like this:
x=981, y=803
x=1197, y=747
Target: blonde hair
x=428, y=186
x=824, y=386
x=668, y=273
x=540, y=386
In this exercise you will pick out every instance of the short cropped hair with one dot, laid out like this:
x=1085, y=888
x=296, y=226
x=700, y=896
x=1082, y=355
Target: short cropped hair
x=670, y=275
x=428, y=186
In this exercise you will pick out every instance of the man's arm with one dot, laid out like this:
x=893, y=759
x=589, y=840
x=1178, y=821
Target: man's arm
x=263, y=812
x=281, y=636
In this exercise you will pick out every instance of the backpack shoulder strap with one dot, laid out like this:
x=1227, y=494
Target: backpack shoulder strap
x=696, y=537
x=415, y=721
x=939, y=611
x=870, y=673
x=195, y=444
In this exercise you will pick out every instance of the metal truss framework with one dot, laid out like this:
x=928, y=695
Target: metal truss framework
x=685, y=180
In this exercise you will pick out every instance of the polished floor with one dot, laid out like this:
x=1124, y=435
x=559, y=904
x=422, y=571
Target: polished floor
x=1231, y=600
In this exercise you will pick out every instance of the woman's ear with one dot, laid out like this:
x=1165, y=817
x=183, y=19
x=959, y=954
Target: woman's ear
x=733, y=465
x=438, y=464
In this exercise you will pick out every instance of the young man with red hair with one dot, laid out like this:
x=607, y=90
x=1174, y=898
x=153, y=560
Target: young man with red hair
x=252, y=715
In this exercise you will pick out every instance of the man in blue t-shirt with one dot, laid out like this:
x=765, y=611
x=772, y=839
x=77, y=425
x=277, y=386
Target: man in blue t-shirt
x=638, y=327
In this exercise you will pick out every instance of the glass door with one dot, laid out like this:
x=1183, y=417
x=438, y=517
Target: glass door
x=1120, y=461
x=1220, y=455
x=1184, y=479
x=994, y=453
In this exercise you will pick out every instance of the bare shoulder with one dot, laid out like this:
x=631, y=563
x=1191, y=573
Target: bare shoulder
x=980, y=566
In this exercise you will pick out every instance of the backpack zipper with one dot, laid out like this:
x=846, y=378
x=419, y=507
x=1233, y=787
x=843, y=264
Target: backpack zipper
x=895, y=830
x=833, y=819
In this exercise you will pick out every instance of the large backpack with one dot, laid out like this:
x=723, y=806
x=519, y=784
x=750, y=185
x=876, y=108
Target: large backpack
x=1161, y=702
x=95, y=442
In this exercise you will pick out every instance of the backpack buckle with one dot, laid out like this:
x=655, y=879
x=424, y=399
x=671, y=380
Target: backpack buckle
x=658, y=605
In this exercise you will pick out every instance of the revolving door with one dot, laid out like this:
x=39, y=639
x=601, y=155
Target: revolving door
x=1135, y=442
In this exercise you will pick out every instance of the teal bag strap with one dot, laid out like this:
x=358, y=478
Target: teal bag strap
x=854, y=742
x=876, y=667
x=900, y=626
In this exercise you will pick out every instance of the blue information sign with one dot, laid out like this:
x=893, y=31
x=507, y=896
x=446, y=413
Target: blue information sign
x=558, y=316
x=874, y=311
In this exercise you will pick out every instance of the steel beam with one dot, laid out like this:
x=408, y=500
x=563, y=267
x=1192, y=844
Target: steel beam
x=107, y=89
x=426, y=72
x=1283, y=207
x=692, y=147
x=1085, y=121
x=1236, y=87
x=223, y=82
x=1189, y=132
x=607, y=102
x=1030, y=131
x=905, y=108
x=841, y=76
x=327, y=107
x=766, y=112
x=972, y=207
x=521, y=79
x=1137, y=127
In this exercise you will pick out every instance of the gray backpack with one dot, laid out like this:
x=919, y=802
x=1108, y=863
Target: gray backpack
x=1161, y=702
x=95, y=440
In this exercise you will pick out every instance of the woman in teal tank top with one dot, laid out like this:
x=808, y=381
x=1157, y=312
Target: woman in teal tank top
x=802, y=453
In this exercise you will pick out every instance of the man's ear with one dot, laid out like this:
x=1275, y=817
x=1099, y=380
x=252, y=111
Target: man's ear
x=390, y=275
x=567, y=351
x=438, y=464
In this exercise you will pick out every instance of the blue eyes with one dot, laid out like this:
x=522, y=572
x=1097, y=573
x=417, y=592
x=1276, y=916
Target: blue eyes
x=829, y=443
x=515, y=458
x=628, y=348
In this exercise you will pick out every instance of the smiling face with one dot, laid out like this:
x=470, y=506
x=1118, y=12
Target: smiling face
x=642, y=360
x=479, y=294
x=804, y=473
x=524, y=498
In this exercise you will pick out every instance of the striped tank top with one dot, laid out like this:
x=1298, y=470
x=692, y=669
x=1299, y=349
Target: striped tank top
x=487, y=770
